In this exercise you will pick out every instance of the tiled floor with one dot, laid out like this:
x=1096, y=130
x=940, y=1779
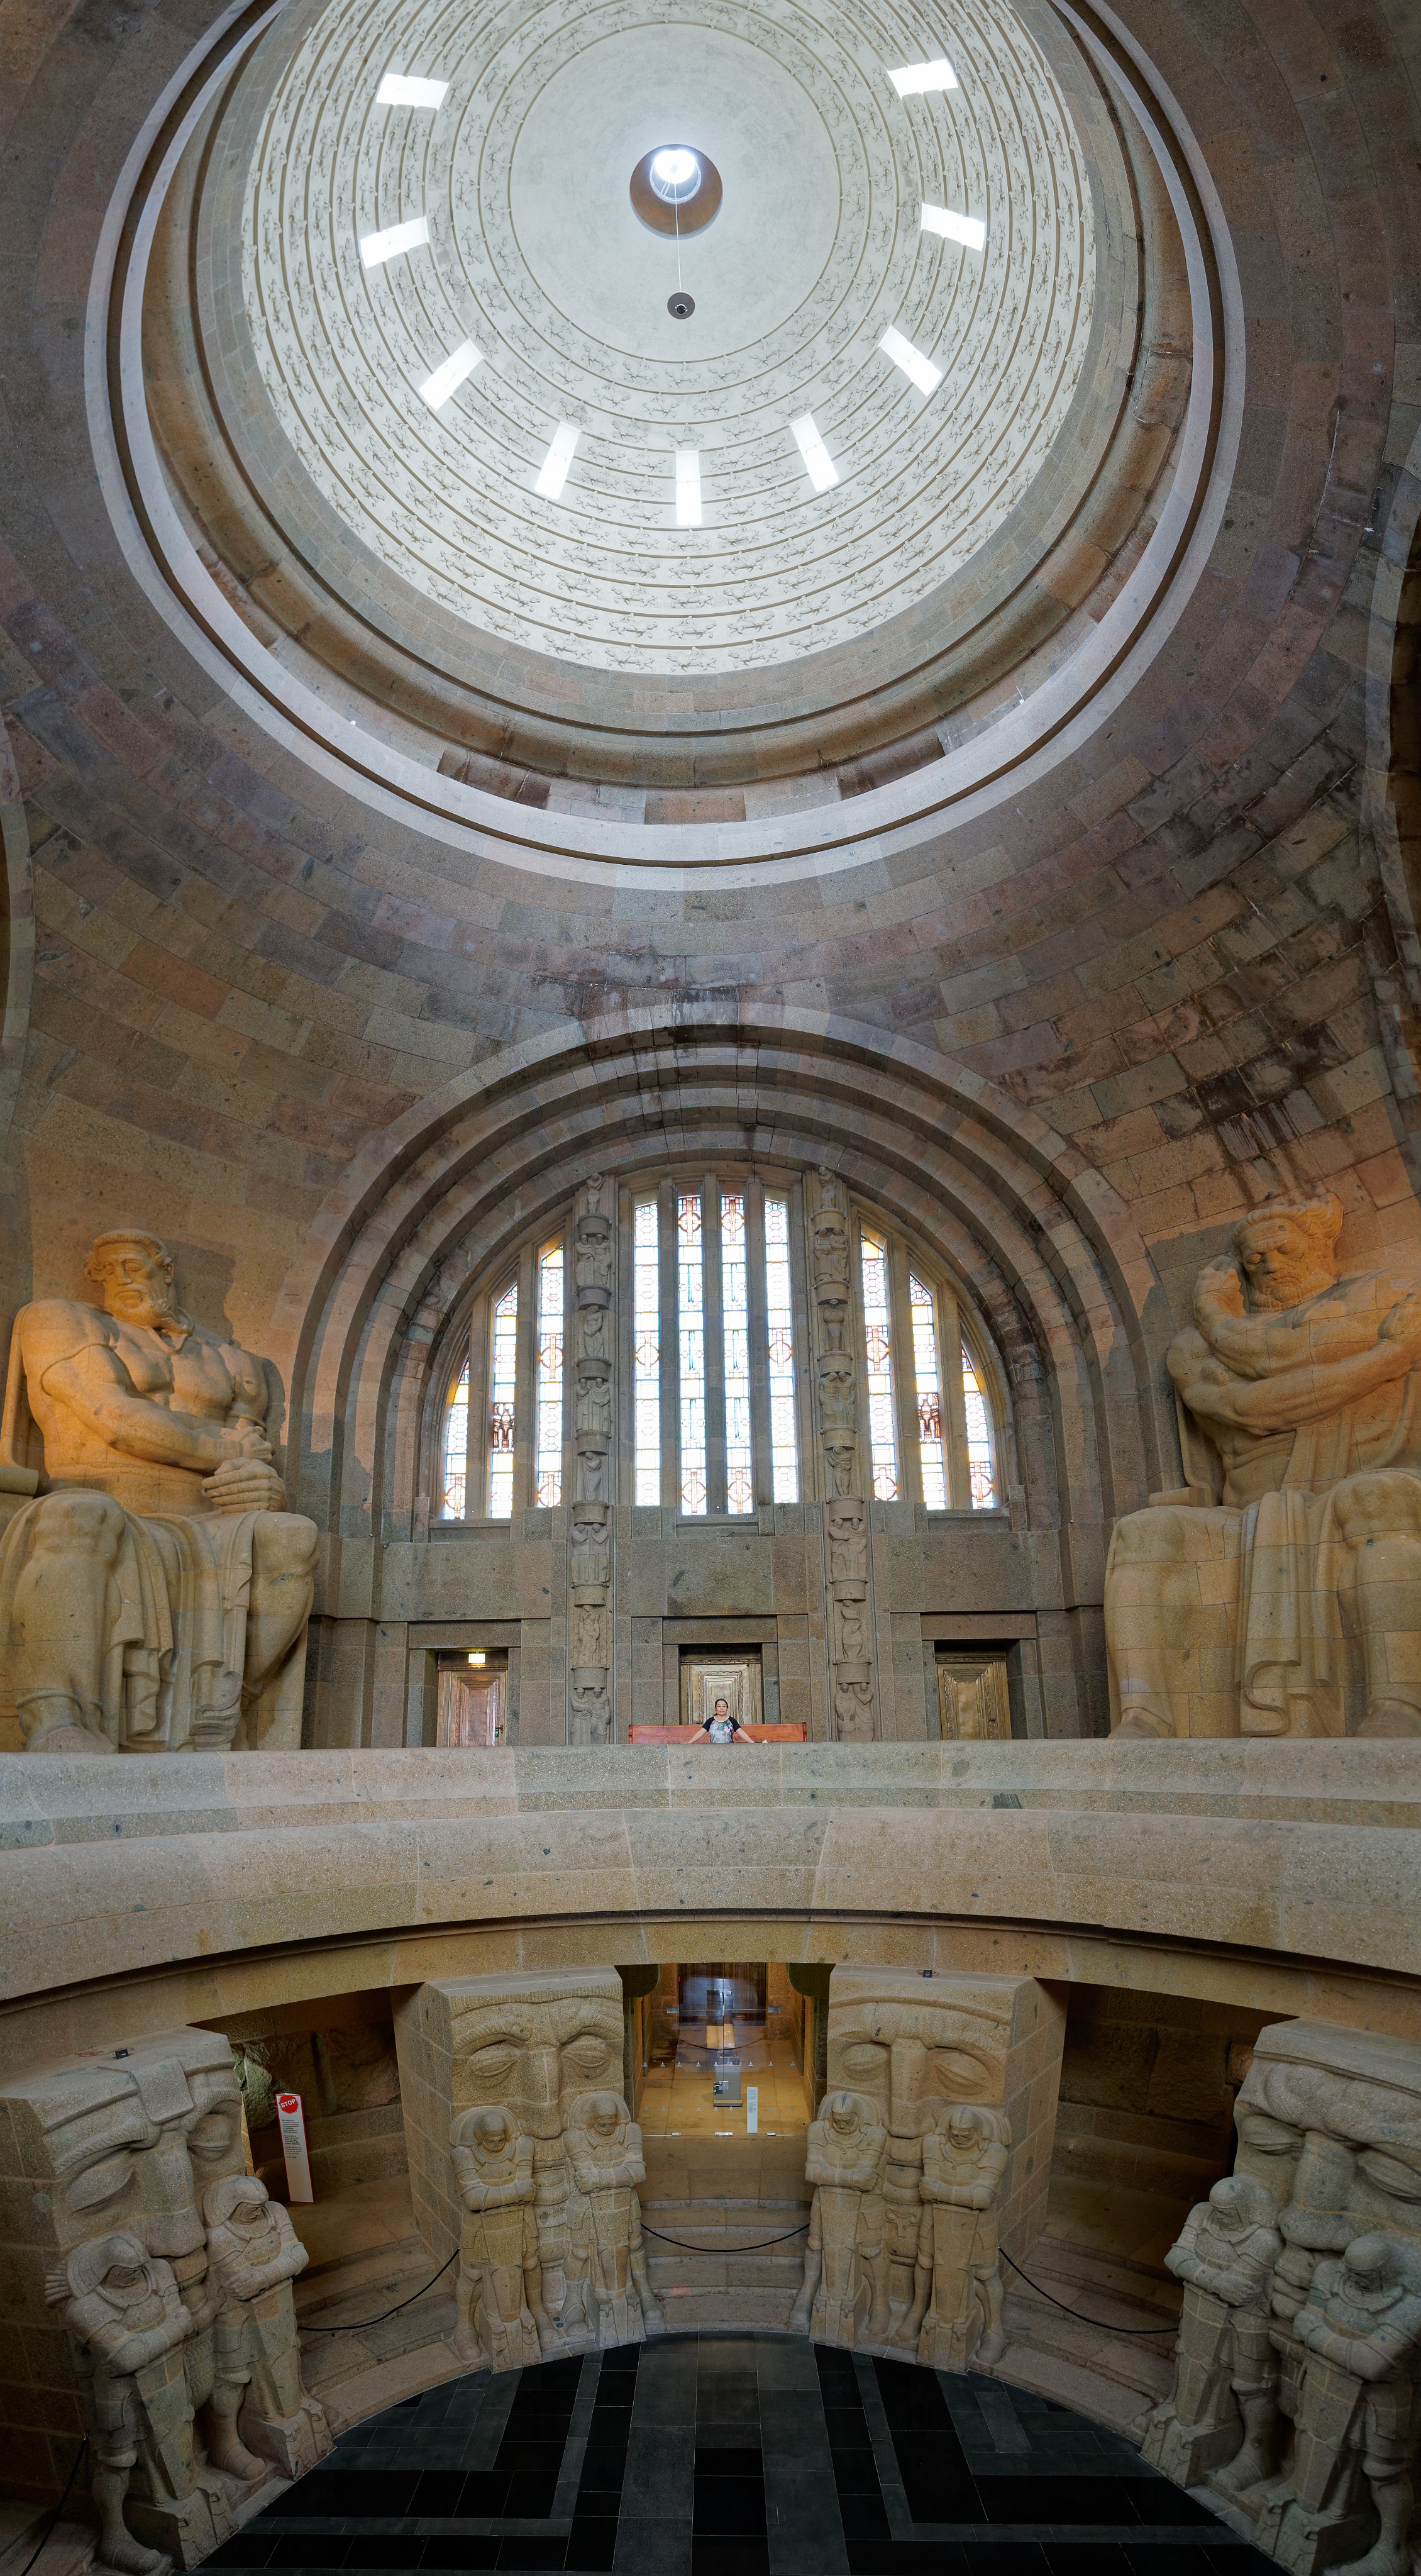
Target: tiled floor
x=737, y=2455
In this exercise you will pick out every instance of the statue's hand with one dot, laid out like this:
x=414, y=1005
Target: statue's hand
x=244, y=1485
x=244, y=1439
x=1403, y=1322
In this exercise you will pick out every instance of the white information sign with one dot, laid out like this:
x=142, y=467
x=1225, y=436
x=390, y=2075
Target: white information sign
x=293, y=2146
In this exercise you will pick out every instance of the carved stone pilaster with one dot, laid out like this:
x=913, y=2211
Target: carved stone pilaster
x=590, y=1517
x=844, y=1482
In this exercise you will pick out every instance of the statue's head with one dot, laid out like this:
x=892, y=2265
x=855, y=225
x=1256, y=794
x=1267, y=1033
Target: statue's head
x=1287, y=1250
x=844, y=2114
x=133, y=1273
x=1241, y=2201
x=964, y=2123
x=1371, y=2266
x=238, y=2200
x=115, y=2268
x=604, y=2114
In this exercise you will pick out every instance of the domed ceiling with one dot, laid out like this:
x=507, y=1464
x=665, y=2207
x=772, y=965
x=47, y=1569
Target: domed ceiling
x=499, y=490
x=493, y=170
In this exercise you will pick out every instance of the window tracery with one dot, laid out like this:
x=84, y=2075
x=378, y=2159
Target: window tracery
x=719, y=1356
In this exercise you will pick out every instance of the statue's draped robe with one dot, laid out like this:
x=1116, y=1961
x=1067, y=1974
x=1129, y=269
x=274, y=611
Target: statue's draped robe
x=1286, y=1550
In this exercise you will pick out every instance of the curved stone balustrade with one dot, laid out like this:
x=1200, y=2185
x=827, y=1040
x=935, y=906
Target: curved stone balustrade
x=1277, y=1873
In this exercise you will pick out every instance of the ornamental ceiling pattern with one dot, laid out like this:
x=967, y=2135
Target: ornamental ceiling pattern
x=536, y=256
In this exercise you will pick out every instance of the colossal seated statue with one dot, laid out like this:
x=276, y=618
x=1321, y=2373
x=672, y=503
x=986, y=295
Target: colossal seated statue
x=155, y=1596
x=1277, y=1592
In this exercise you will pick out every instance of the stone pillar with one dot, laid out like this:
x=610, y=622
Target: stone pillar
x=1297, y=2383
x=542, y=2052
x=843, y=1467
x=589, y=1617
x=931, y=2149
x=121, y=2173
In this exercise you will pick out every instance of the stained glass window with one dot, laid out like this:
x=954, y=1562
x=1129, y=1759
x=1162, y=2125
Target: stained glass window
x=503, y=1387
x=981, y=1464
x=779, y=1328
x=928, y=1380
x=646, y=1351
x=454, y=1482
x=547, y=1473
x=735, y=1329
x=878, y=1352
x=690, y=1313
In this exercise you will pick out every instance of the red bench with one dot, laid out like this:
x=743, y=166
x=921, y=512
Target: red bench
x=683, y=1734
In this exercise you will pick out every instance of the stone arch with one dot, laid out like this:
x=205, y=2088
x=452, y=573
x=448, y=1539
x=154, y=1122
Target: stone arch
x=1067, y=1289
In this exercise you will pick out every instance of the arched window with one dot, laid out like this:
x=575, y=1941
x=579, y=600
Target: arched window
x=716, y=1365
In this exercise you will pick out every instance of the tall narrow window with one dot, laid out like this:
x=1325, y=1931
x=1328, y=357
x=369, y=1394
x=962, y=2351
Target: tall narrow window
x=928, y=1379
x=454, y=1485
x=981, y=1465
x=547, y=1476
x=735, y=1325
x=690, y=1313
x=503, y=1385
x=779, y=1327
x=882, y=1438
x=646, y=1352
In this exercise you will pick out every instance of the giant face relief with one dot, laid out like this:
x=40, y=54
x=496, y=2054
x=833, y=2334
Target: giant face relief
x=916, y=2045
x=532, y=2043
x=128, y=2141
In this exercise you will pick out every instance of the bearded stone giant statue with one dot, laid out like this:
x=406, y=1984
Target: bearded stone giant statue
x=155, y=1596
x=1276, y=1593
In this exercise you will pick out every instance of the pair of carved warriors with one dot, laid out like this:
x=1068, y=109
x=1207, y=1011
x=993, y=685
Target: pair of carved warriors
x=903, y=2247
x=162, y=2364
x=504, y=2320
x=1299, y=2403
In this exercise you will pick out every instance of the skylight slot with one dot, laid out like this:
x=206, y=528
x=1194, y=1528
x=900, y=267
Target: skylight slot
x=376, y=248
x=448, y=377
x=918, y=369
x=917, y=80
x=553, y=472
x=688, y=487
x=967, y=229
x=819, y=465
x=399, y=89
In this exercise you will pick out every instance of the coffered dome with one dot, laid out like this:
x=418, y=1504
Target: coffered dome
x=535, y=257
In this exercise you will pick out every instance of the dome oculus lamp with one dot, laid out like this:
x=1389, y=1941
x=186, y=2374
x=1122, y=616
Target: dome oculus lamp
x=676, y=190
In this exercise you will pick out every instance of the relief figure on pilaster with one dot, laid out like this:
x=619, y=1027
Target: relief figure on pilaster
x=155, y=1595
x=829, y=1265
x=1222, y=2407
x=589, y=1547
x=1275, y=1592
x=502, y=2323
x=122, y=2309
x=844, y=2165
x=964, y=2164
x=846, y=1526
x=254, y=2255
x=605, y=2154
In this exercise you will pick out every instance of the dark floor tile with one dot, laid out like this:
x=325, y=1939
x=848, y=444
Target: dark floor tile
x=251, y=2548
x=454, y=2555
x=483, y=2493
x=907, y=2558
x=730, y=2558
x=727, y=2461
x=729, y=2508
x=863, y=2517
x=592, y=2544
x=301, y=2549
x=384, y=2549
x=1159, y=2500
x=539, y=2555
x=1003, y=2558
x=1058, y=2500
x=653, y=2548
x=438, y=2491
x=530, y=2495
x=544, y=2455
x=1093, y=2558
x=604, y=2466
